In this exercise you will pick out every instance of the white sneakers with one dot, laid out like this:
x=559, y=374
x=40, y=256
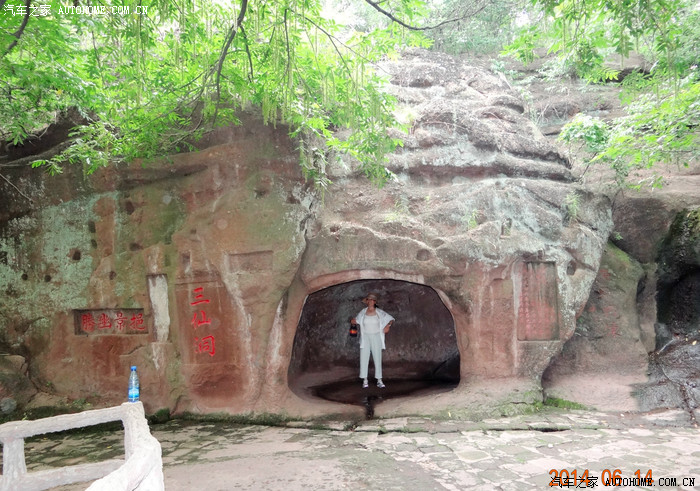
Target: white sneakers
x=380, y=384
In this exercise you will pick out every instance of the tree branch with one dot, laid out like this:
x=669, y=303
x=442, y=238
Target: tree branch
x=18, y=33
x=46, y=155
x=286, y=37
x=333, y=39
x=224, y=52
x=16, y=188
x=375, y=5
x=247, y=50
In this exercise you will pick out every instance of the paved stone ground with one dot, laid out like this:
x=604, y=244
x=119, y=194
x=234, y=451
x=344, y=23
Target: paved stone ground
x=406, y=453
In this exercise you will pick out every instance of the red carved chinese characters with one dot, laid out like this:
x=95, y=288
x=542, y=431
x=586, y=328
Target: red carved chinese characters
x=137, y=322
x=205, y=344
x=87, y=322
x=104, y=322
x=119, y=321
x=199, y=297
x=199, y=320
x=107, y=321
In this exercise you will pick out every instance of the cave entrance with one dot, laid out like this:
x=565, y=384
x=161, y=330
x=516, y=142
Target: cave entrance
x=678, y=302
x=678, y=283
x=421, y=356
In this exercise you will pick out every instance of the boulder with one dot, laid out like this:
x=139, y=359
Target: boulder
x=16, y=389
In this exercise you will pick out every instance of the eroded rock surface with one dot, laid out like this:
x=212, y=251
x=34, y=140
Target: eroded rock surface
x=198, y=269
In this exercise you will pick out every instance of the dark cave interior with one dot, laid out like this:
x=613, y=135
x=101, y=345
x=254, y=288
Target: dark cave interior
x=421, y=355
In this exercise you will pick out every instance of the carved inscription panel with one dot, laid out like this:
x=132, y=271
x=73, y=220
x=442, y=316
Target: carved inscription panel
x=538, y=311
x=206, y=320
x=109, y=321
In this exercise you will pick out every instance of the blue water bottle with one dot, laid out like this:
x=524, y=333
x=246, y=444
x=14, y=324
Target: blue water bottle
x=133, y=385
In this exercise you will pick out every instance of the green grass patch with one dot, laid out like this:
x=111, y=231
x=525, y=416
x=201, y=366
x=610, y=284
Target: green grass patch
x=563, y=403
x=262, y=419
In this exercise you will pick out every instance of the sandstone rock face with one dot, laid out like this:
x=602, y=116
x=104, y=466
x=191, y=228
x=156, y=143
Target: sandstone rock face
x=198, y=270
x=674, y=366
x=177, y=267
x=607, y=355
x=644, y=302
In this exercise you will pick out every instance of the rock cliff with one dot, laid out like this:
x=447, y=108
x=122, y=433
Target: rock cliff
x=201, y=269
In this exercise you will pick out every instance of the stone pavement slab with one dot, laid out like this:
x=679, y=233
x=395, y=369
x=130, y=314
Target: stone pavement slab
x=410, y=453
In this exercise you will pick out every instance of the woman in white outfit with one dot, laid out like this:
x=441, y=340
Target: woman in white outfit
x=374, y=324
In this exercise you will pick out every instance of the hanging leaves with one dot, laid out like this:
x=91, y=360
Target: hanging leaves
x=662, y=106
x=151, y=83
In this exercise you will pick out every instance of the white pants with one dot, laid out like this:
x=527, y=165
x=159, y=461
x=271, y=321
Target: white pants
x=374, y=342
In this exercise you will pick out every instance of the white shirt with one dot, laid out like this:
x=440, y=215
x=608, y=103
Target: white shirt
x=371, y=324
x=383, y=319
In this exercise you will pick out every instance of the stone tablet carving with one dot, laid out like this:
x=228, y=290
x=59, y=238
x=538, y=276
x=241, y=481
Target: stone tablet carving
x=109, y=321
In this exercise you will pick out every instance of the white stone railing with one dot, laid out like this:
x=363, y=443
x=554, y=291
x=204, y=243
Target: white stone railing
x=142, y=468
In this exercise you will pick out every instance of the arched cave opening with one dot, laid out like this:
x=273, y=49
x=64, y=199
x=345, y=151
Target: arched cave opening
x=421, y=356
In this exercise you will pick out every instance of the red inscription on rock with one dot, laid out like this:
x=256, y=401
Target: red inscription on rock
x=206, y=344
x=207, y=323
x=109, y=321
x=137, y=322
x=199, y=319
x=199, y=296
x=104, y=321
x=87, y=323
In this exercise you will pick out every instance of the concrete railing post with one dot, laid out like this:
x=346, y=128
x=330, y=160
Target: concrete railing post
x=13, y=463
x=133, y=414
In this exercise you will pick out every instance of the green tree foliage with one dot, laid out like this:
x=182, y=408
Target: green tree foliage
x=485, y=30
x=660, y=128
x=663, y=106
x=454, y=26
x=151, y=77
